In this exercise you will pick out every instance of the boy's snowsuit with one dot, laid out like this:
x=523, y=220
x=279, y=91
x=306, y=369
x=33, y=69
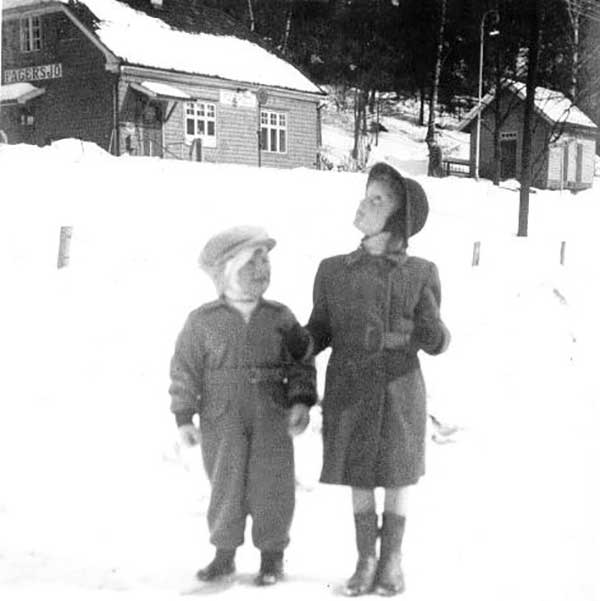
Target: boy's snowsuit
x=240, y=380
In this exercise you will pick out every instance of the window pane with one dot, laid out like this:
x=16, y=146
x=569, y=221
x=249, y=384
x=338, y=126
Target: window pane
x=200, y=128
x=189, y=127
x=273, y=119
x=282, y=140
x=189, y=108
x=264, y=137
x=210, y=126
x=282, y=120
x=264, y=118
x=210, y=110
x=200, y=110
x=273, y=140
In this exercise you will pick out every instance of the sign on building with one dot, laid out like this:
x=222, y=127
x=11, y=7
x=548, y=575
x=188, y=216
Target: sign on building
x=37, y=73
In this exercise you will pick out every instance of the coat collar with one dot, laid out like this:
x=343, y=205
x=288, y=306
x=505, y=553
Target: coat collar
x=395, y=257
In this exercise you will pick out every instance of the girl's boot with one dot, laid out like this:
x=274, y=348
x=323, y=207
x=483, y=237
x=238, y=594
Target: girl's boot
x=363, y=578
x=390, y=579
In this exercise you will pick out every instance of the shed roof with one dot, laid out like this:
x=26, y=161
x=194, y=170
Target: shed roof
x=140, y=39
x=19, y=93
x=554, y=106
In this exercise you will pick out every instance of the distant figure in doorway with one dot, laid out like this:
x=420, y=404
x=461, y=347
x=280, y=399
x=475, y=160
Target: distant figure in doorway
x=376, y=307
x=435, y=167
x=232, y=370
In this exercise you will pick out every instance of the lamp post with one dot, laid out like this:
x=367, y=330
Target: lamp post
x=494, y=12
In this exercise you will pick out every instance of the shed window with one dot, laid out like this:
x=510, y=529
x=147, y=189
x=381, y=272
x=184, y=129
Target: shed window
x=200, y=122
x=31, y=34
x=273, y=131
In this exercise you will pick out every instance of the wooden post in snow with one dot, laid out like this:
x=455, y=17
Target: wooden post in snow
x=476, y=249
x=64, y=246
x=563, y=248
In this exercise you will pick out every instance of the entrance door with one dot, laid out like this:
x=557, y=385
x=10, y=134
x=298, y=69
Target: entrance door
x=151, y=134
x=508, y=159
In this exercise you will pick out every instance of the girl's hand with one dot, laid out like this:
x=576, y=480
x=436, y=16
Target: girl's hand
x=298, y=419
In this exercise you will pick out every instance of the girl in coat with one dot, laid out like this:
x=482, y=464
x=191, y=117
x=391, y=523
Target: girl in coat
x=376, y=307
x=231, y=369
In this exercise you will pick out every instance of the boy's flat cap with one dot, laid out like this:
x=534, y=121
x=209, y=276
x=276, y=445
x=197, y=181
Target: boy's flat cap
x=226, y=244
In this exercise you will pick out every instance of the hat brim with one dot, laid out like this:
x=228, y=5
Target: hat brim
x=419, y=207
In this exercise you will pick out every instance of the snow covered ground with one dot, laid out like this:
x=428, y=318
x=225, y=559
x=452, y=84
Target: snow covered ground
x=96, y=502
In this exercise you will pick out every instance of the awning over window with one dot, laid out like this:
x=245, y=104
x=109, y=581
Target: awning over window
x=19, y=93
x=160, y=91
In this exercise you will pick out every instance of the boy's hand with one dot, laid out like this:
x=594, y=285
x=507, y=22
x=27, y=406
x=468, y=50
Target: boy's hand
x=189, y=434
x=298, y=419
x=296, y=340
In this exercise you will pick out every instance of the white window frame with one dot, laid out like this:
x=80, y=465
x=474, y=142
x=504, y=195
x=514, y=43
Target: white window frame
x=30, y=31
x=200, y=112
x=274, y=125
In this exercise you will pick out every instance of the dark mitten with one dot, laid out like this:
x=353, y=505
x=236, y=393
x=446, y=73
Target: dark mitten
x=296, y=340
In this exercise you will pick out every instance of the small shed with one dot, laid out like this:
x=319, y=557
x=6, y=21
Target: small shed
x=563, y=141
x=126, y=79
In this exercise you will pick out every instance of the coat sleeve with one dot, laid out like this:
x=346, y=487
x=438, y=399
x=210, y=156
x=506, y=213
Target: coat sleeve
x=185, y=376
x=301, y=374
x=319, y=324
x=431, y=334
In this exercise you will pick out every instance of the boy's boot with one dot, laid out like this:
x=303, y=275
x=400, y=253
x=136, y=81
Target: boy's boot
x=222, y=565
x=390, y=579
x=361, y=582
x=271, y=568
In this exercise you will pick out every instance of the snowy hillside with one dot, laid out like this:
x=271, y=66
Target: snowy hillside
x=95, y=500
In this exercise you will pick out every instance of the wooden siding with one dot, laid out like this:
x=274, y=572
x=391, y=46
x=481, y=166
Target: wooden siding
x=78, y=104
x=546, y=164
x=236, y=126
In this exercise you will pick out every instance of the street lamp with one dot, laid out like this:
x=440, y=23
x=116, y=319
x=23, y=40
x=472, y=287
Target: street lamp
x=494, y=12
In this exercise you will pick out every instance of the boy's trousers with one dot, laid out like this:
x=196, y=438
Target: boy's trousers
x=249, y=458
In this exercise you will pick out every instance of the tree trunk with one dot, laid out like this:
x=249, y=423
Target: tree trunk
x=288, y=27
x=422, y=104
x=574, y=7
x=532, y=72
x=436, y=74
x=251, y=15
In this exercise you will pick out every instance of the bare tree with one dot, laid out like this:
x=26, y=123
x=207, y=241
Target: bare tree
x=534, y=22
x=574, y=12
x=251, y=15
x=434, y=150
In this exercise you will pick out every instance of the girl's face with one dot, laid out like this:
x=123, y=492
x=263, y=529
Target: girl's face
x=254, y=277
x=374, y=209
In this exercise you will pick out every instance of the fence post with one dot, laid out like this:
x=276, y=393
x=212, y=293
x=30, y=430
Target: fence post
x=563, y=248
x=476, y=249
x=64, y=246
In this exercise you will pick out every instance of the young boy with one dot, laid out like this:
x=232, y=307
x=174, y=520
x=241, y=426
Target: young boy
x=376, y=308
x=230, y=367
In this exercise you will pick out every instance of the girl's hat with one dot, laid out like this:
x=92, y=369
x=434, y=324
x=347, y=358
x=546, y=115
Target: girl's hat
x=226, y=244
x=413, y=207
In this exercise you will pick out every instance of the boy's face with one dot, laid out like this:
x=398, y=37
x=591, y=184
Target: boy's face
x=374, y=209
x=254, y=277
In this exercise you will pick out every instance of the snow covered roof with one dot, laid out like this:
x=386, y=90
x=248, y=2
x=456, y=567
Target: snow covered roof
x=155, y=89
x=19, y=92
x=140, y=39
x=550, y=104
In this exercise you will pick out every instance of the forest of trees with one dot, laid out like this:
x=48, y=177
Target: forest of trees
x=392, y=45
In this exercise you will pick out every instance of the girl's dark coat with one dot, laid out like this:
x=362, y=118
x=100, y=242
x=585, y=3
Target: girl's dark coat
x=374, y=409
